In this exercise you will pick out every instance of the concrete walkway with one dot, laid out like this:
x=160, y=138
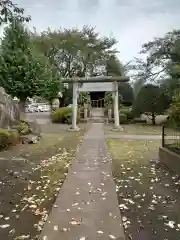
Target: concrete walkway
x=87, y=206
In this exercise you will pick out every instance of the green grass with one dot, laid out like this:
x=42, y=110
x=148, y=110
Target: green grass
x=137, y=129
x=148, y=194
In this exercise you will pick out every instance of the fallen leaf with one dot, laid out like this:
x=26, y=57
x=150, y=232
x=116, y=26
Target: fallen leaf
x=112, y=237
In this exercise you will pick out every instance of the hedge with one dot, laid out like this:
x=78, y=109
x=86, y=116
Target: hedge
x=8, y=138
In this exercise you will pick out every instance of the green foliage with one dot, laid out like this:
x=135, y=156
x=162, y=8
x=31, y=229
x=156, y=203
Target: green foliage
x=128, y=112
x=122, y=118
x=175, y=108
x=68, y=118
x=84, y=98
x=20, y=71
x=51, y=85
x=150, y=100
x=108, y=100
x=127, y=94
x=7, y=138
x=10, y=11
x=23, y=128
x=75, y=51
x=61, y=114
x=113, y=66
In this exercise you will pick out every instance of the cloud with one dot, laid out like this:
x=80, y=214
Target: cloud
x=132, y=22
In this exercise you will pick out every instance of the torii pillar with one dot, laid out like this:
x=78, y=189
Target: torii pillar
x=116, y=106
x=74, y=126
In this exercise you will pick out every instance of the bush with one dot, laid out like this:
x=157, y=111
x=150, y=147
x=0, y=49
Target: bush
x=58, y=116
x=63, y=115
x=127, y=112
x=122, y=118
x=23, y=128
x=8, y=138
x=68, y=118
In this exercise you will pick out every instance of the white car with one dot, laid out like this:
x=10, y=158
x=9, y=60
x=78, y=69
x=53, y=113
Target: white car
x=43, y=108
x=31, y=109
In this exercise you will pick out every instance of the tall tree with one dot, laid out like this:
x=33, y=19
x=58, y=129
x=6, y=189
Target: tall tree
x=20, y=71
x=150, y=100
x=113, y=66
x=126, y=91
x=10, y=11
x=75, y=52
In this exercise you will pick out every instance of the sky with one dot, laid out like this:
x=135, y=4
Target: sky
x=131, y=22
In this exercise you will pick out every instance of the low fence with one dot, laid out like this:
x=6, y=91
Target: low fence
x=171, y=138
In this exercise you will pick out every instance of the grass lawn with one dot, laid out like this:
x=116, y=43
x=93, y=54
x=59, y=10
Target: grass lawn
x=30, y=179
x=137, y=129
x=148, y=194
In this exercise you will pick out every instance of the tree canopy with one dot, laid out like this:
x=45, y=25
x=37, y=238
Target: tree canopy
x=150, y=100
x=10, y=11
x=74, y=51
x=18, y=68
x=159, y=62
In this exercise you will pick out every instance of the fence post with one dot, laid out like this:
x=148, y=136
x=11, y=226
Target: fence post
x=163, y=135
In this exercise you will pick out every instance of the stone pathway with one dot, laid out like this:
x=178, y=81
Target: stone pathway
x=87, y=206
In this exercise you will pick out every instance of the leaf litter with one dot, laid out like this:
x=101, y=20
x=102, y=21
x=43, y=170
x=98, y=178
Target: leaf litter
x=151, y=191
x=37, y=193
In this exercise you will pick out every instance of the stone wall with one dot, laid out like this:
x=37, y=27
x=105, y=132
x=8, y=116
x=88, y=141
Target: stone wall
x=9, y=110
x=170, y=159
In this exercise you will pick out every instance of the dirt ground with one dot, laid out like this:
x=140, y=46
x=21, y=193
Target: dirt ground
x=148, y=193
x=30, y=179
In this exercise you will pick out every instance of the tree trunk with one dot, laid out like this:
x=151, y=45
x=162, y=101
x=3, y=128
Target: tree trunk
x=22, y=104
x=153, y=119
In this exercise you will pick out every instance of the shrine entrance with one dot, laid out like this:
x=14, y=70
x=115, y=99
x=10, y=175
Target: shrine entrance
x=96, y=84
x=97, y=99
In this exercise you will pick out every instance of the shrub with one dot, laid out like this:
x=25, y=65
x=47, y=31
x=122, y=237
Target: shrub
x=68, y=118
x=122, y=118
x=8, y=138
x=127, y=112
x=23, y=128
x=58, y=116
x=63, y=115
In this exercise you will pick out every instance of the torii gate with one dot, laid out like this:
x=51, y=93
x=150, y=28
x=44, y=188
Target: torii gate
x=110, y=84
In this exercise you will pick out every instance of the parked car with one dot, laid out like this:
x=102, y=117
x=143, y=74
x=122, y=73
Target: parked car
x=43, y=108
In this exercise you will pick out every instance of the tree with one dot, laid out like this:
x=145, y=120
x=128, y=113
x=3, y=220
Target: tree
x=10, y=11
x=113, y=66
x=175, y=108
x=150, y=100
x=50, y=86
x=126, y=91
x=75, y=52
x=20, y=71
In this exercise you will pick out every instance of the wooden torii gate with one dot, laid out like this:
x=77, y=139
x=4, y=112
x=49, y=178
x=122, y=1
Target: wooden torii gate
x=113, y=87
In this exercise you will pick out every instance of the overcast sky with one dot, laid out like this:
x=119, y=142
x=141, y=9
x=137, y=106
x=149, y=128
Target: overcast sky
x=132, y=22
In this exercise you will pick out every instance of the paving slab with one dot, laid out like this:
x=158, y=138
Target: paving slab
x=87, y=205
